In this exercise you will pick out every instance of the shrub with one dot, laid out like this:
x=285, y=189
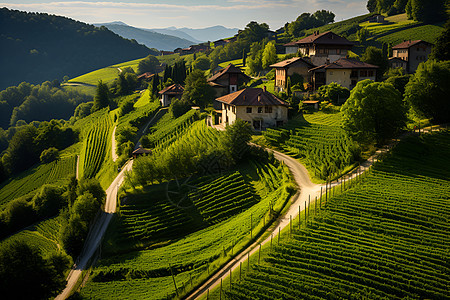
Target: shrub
x=49, y=155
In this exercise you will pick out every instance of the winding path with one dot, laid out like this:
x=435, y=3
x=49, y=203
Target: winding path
x=96, y=233
x=113, y=145
x=299, y=202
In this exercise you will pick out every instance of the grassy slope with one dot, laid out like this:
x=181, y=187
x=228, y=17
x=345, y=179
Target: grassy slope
x=384, y=238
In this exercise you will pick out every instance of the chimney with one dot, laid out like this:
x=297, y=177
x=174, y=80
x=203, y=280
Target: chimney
x=259, y=98
x=265, y=89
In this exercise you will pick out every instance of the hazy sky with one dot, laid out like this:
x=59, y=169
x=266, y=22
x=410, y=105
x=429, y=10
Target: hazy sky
x=193, y=14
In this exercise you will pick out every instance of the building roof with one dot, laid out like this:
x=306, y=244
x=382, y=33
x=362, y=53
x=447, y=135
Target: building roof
x=174, y=89
x=230, y=69
x=326, y=38
x=409, y=43
x=146, y=75
x=397, y=58
x=252, y=97
x=288, y=62
x=346, y=63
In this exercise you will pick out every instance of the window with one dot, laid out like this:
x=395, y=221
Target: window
x=268, y=109
x=249, y=110
x=234, y=109
x=331, y=72
x=370, y=73
x=338, y=51
x=259, y=110
x=354, y=73
x=363, y=73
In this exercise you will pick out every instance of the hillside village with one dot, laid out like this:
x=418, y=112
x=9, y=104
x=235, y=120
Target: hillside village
x=306, y=162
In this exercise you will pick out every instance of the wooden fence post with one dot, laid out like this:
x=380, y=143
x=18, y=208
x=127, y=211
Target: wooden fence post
x=279, y=233
x=259, y=256
x=173, y=277
x=248, y=261
x=240, y=270
x=230, y=279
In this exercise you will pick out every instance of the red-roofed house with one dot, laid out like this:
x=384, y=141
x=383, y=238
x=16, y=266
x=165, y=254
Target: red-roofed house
x=321, y=48
x=287, y=67
x=171, y=92
x=345, y=71
x=227, y=80
x=413, y=52
x=256, y=106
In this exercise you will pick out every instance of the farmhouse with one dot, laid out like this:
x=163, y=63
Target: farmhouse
x=288, y=67
x=256, y=106
x=321, y=48
x=397, y=62
x=147, y=76
x=169, y=93
x=141, y=151
x=345, y=71
x=413, y=53
x=227, y=80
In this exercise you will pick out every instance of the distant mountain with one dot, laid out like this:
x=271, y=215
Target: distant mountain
x=200, y=35
x=174, y=32
x=148, y=37
x=36, y=47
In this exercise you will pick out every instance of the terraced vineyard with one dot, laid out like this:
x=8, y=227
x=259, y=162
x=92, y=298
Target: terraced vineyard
x=43, y=235
x=29, y=181
x=95, y=147
x=386, y=238
x=169, y=128
x=151, y=216
x=319, y=141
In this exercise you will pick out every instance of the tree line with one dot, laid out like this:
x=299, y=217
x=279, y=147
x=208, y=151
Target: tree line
x=428, y=11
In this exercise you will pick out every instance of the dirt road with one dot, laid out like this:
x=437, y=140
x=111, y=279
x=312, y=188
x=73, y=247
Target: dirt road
x=96, y=234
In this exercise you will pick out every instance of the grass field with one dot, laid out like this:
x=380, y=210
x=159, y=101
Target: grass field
x=55, y=172
x=385, y=238
x=400, y=28
x=107, y=74
x=158, y=226
x=43, y=235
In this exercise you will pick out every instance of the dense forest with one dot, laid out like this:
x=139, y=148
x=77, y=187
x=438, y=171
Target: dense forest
x=428, y=11
x=38, y=47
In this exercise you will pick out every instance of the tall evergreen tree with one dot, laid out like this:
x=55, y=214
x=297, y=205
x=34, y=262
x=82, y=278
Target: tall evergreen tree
x=101, y=98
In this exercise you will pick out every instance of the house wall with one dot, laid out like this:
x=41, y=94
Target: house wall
x=417, y=54
x=342, y=76
x=402, y=53
x=396, y=63
x=279, y=113
x=291, y=49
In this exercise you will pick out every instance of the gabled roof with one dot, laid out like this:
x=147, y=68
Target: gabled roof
x=174, y=89
x=326, y=38
x=407, y=44
x=346, y=63
x=146, y=75
x=289, y=62
x=252, y=97
x=230, y=69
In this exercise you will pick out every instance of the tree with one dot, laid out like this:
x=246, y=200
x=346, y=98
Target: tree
x=399, y=82
x=48, y=201
x=236, y=139
x=197, y=90
x=428, y=89
x=203, y=63
x=244, y=58
x=254, y=32
x=427, y=11
x=375, y=56
x=26, y=274
x=91, y=186
x=334, y=92
x=86, y=207
x=441, y=49
x=362, y=35
x=22, y=151
x=269, y=56
x=179, y=107
x=49, y=155
x=155, y=84
x=148, y=64
x=324, y=16
x=375, y=111
x=101, y=98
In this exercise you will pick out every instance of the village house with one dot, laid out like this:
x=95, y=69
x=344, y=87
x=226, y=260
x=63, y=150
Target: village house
x=288, y=67
x=257, y=106
x=220, y=43
x=397, y=62
x=321, y=48
x=169, y=93
x=412, y=52
x=377, y=18
x=227, y=80
x=345, y=71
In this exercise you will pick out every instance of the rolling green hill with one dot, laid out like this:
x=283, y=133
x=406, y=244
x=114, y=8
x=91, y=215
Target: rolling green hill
x=37, y=47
